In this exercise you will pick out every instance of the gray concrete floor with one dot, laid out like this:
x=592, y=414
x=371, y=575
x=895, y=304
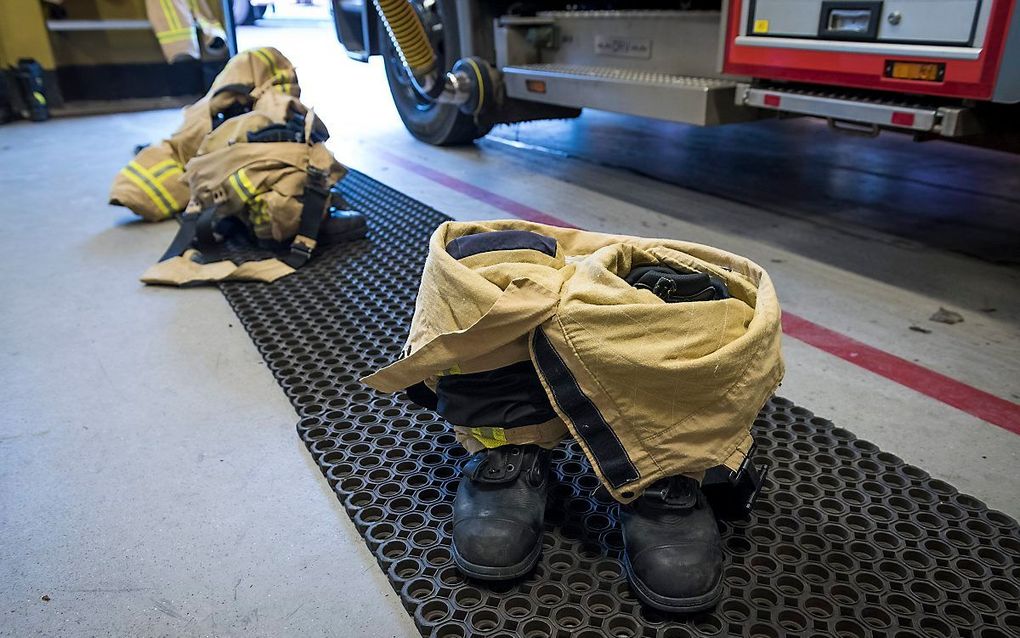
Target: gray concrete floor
x=151, y=482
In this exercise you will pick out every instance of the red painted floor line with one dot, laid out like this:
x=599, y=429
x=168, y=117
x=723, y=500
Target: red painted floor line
x=961, y=396
x=516, y=209
x=957, y=394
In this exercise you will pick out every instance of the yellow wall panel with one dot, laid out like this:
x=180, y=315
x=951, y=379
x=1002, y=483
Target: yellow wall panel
x=23, y=33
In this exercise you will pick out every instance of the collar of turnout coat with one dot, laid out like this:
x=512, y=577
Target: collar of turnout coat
x=649, y=389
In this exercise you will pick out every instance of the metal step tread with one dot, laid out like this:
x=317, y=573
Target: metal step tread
x=678, y=98
x=629, y=14
x=844, y=95
x=613, y=74
x=869, y=109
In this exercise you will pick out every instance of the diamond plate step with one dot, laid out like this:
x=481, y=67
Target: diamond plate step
x=677, y=98
x=886, y=112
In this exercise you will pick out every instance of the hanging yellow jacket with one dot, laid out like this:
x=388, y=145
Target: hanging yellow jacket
x=181, y=25
x=268, y=168
x=246, y=77
x=210, y=28
x=649, y=389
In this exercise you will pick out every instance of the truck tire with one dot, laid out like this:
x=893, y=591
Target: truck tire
x=245, y=13
x=436, y=124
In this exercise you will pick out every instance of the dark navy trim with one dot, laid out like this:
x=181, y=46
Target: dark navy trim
x=508, y=397
x=589, y=424
x=468, y=245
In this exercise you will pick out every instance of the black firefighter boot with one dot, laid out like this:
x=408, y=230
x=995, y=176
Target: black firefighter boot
x=341, y=226
x=499, y=512
x=673, y=554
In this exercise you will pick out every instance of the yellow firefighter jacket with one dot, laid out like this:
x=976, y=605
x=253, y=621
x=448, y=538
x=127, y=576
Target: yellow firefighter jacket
x=153, y=185
x=649, y=389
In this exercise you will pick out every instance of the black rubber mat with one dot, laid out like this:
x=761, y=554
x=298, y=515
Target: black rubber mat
x=848, y=540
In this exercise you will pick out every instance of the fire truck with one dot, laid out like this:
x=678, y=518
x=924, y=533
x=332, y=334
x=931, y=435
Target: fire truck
x=930, y=68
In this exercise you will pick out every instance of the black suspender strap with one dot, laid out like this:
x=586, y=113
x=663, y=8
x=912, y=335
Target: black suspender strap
x=196, y=229
x=184, y=238
x=315, y=202
x=204, y=227
x=277, y=133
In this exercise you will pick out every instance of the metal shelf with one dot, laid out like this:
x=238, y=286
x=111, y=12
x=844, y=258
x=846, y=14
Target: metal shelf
x=98, y=25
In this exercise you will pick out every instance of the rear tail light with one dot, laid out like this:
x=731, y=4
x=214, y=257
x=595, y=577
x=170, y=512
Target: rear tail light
x=899, y=118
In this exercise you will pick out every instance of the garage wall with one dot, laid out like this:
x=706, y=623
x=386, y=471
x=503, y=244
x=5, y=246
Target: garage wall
x=23, y=33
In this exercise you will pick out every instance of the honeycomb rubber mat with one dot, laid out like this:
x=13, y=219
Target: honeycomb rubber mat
x=847, y=541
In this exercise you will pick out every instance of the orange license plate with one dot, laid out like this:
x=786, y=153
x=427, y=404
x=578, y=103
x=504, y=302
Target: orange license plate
x=924, y=71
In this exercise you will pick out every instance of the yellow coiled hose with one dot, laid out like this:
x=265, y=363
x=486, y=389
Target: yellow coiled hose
x=408, y=35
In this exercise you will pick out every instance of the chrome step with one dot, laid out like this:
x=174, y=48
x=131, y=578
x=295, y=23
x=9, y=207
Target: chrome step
x=877, y=113
x=678, y=98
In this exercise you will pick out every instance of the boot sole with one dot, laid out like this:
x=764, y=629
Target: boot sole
x=672, y=605
x=485, y=572
x=341, y=238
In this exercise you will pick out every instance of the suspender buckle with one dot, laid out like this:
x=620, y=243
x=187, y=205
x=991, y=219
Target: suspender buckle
x=302, y=251
x=733, y=494
x=316, y=180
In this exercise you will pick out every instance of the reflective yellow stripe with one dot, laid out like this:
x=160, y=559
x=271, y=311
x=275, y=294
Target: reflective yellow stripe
x=187, y=31
x=171, y=39
x=175, y=35
x=168, y=162
x=284, y=84
x=164, y=194
x=167, y=171
x=208, y=26
x=279, y=77
x=245, y=182
x=268, y=59
x=159, y=165
x=490, y=437
x=259, y=211
x=172, y=19
x=238, y=188
x=147, y=189
x=174, y=206
x=242, y=185
x=454, y=370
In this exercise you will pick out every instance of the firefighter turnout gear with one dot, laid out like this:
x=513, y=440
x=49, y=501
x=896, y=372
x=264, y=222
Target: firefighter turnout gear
x=655, y=377
x=267, y=169
x=183, y=26
x=246, y=77
x=249, y=157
